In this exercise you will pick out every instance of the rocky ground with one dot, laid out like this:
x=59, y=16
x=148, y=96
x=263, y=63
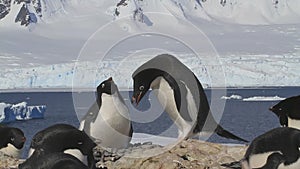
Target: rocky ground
x=193, y=154
x=8, y=162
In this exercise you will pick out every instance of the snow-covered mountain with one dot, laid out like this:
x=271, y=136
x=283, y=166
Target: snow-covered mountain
x=237, y=11
x=78, y=43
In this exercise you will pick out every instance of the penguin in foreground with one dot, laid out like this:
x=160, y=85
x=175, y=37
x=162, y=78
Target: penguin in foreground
x=12, y=141
x=57, y=160
x=59, y=138
x=107, y=121
x=276, y=149
x=288, y=112
x=181, y=94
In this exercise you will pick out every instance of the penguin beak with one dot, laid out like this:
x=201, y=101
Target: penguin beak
x=23, y=139
x=136, y=98
x=271, y=109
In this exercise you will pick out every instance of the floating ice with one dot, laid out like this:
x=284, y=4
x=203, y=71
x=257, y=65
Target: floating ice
x=264, y=98
x=20, y=111
x=235, y=97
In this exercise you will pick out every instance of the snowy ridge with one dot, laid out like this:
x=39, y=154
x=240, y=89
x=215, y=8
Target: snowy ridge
x=265, y=54
x=232, y=11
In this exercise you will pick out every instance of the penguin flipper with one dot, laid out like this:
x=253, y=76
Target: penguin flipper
x=224, y=133
x=232, y=165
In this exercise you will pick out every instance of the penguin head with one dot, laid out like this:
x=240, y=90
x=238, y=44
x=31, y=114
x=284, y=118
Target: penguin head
x=108, y=87
x=84, y=143
x=287, y=108
x=75, y=139
x=16, y=138
x=61, y=139
x=142, y=82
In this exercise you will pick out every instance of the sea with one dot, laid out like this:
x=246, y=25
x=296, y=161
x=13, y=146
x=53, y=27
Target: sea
x=242, y=111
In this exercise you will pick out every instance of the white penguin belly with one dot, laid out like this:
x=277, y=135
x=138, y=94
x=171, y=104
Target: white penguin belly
x=112, y=125
x=12, y=151
x=77, y=153
x=259, y=160
x=293, y=123
x=165, y=96
x=30, y=152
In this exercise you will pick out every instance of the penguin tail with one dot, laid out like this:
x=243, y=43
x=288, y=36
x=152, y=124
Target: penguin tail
x=224, y=133
x=232, y=165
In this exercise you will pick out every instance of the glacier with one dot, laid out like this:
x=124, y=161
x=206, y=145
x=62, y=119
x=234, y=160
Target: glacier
x=77, y=44
x=20, y=111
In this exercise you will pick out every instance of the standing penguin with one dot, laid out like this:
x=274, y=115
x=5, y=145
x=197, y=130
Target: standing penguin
x=180, y=92
x=107, y=121
x=288, y=112
x=275, y=149
x=12, y=141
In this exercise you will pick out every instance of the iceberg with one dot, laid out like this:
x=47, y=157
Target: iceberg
x=20, y=111
x=264, y=98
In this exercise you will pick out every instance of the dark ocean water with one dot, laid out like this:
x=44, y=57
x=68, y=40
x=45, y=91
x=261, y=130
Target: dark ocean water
x=246, y=119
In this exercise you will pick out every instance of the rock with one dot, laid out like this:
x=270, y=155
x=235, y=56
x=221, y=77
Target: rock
x=8, y=162
x=188, y=154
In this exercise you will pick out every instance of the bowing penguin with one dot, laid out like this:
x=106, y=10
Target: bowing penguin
x=275, y=149
x=59, y=138
x=288, y=112
x=12, y=141
x=107, y=121
x=180, y=93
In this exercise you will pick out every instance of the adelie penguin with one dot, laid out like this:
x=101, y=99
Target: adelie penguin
x=57, y=160
x=180, y=93
x=108, y=121
x=57, y=139
x=12, y=141
x=276, y=149
x=288, y=112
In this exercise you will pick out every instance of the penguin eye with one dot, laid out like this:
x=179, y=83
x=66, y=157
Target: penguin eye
x=12, y=139
x=141, y=88
x=280, y=109
x=80, y=143
x=103, y=85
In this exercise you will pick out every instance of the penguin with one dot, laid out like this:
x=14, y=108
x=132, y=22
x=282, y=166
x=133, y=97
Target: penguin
x=59, y=138
x=277, y=148
x=12, y=141
x=181, y=94
x=288, y=112
x=107, y=121
x=57, y=160
x=273, y=161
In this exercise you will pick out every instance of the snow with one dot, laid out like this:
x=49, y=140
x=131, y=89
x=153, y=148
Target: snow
x=20, y=111
x=77, y=44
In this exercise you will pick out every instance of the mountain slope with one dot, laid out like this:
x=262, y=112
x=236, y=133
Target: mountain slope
x=252, y=45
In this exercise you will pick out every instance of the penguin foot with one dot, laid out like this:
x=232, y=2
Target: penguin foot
x=232, y=165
